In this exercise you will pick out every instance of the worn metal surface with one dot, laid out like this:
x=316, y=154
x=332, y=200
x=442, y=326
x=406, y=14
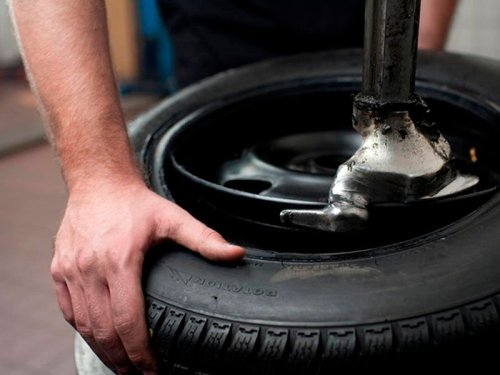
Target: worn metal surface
x=398, y=161
x=403, y=156
x=390, y=49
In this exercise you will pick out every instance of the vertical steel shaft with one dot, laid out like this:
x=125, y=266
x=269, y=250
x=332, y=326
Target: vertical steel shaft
x=390, y=49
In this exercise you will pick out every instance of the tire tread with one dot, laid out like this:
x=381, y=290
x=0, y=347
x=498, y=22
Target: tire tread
x=189, y=343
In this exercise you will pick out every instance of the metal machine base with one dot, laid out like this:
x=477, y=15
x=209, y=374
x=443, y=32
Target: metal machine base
x=403, y=158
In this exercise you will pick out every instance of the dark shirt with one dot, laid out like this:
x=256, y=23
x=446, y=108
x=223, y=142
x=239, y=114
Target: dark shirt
x=214, y=35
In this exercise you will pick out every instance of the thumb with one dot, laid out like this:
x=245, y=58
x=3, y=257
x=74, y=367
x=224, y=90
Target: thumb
x=177, y=224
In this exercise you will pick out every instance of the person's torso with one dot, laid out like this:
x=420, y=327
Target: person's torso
x=214, y=35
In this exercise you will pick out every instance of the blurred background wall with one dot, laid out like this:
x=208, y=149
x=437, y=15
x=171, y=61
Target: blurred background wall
x=142, y=58
x=122, y=25
x=476, y=28
x=9, y=54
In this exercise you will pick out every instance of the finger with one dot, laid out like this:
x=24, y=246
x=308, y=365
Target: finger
x=62, y=292
x=101, y=320
x=82, y=321
x=177, y=224
x=127, y=304
x=64, y=301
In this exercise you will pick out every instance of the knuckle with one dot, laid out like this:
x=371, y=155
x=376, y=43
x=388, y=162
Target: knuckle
x=85, y=262
x=56, y=271
x=117, y=265
x=114, y=258
x=105, y=337
x=206, y=235
x=123, y=261
x=85, y=331
x=67, y=270
x=138, y=359
x=125, y=326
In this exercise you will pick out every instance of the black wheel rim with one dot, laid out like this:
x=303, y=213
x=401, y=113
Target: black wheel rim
x=203, y=152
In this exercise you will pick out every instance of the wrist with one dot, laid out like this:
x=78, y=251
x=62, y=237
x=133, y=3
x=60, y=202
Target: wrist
x=98, y=159
x=105, y=181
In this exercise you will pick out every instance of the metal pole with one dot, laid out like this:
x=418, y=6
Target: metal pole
x=390, y=50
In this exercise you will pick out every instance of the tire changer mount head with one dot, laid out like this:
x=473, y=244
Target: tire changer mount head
x=403, y=157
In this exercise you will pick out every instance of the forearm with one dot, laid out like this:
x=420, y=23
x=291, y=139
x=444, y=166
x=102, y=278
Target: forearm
x=66, y=53
x=435, y=22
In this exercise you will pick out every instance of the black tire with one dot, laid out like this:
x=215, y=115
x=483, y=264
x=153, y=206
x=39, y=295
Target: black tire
x=429, y=298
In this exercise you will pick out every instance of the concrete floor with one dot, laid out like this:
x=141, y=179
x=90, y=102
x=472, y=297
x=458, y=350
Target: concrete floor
x=19, y=120
x=34, y=338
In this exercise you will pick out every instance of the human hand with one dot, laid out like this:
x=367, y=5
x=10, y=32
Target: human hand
x=97, y=265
